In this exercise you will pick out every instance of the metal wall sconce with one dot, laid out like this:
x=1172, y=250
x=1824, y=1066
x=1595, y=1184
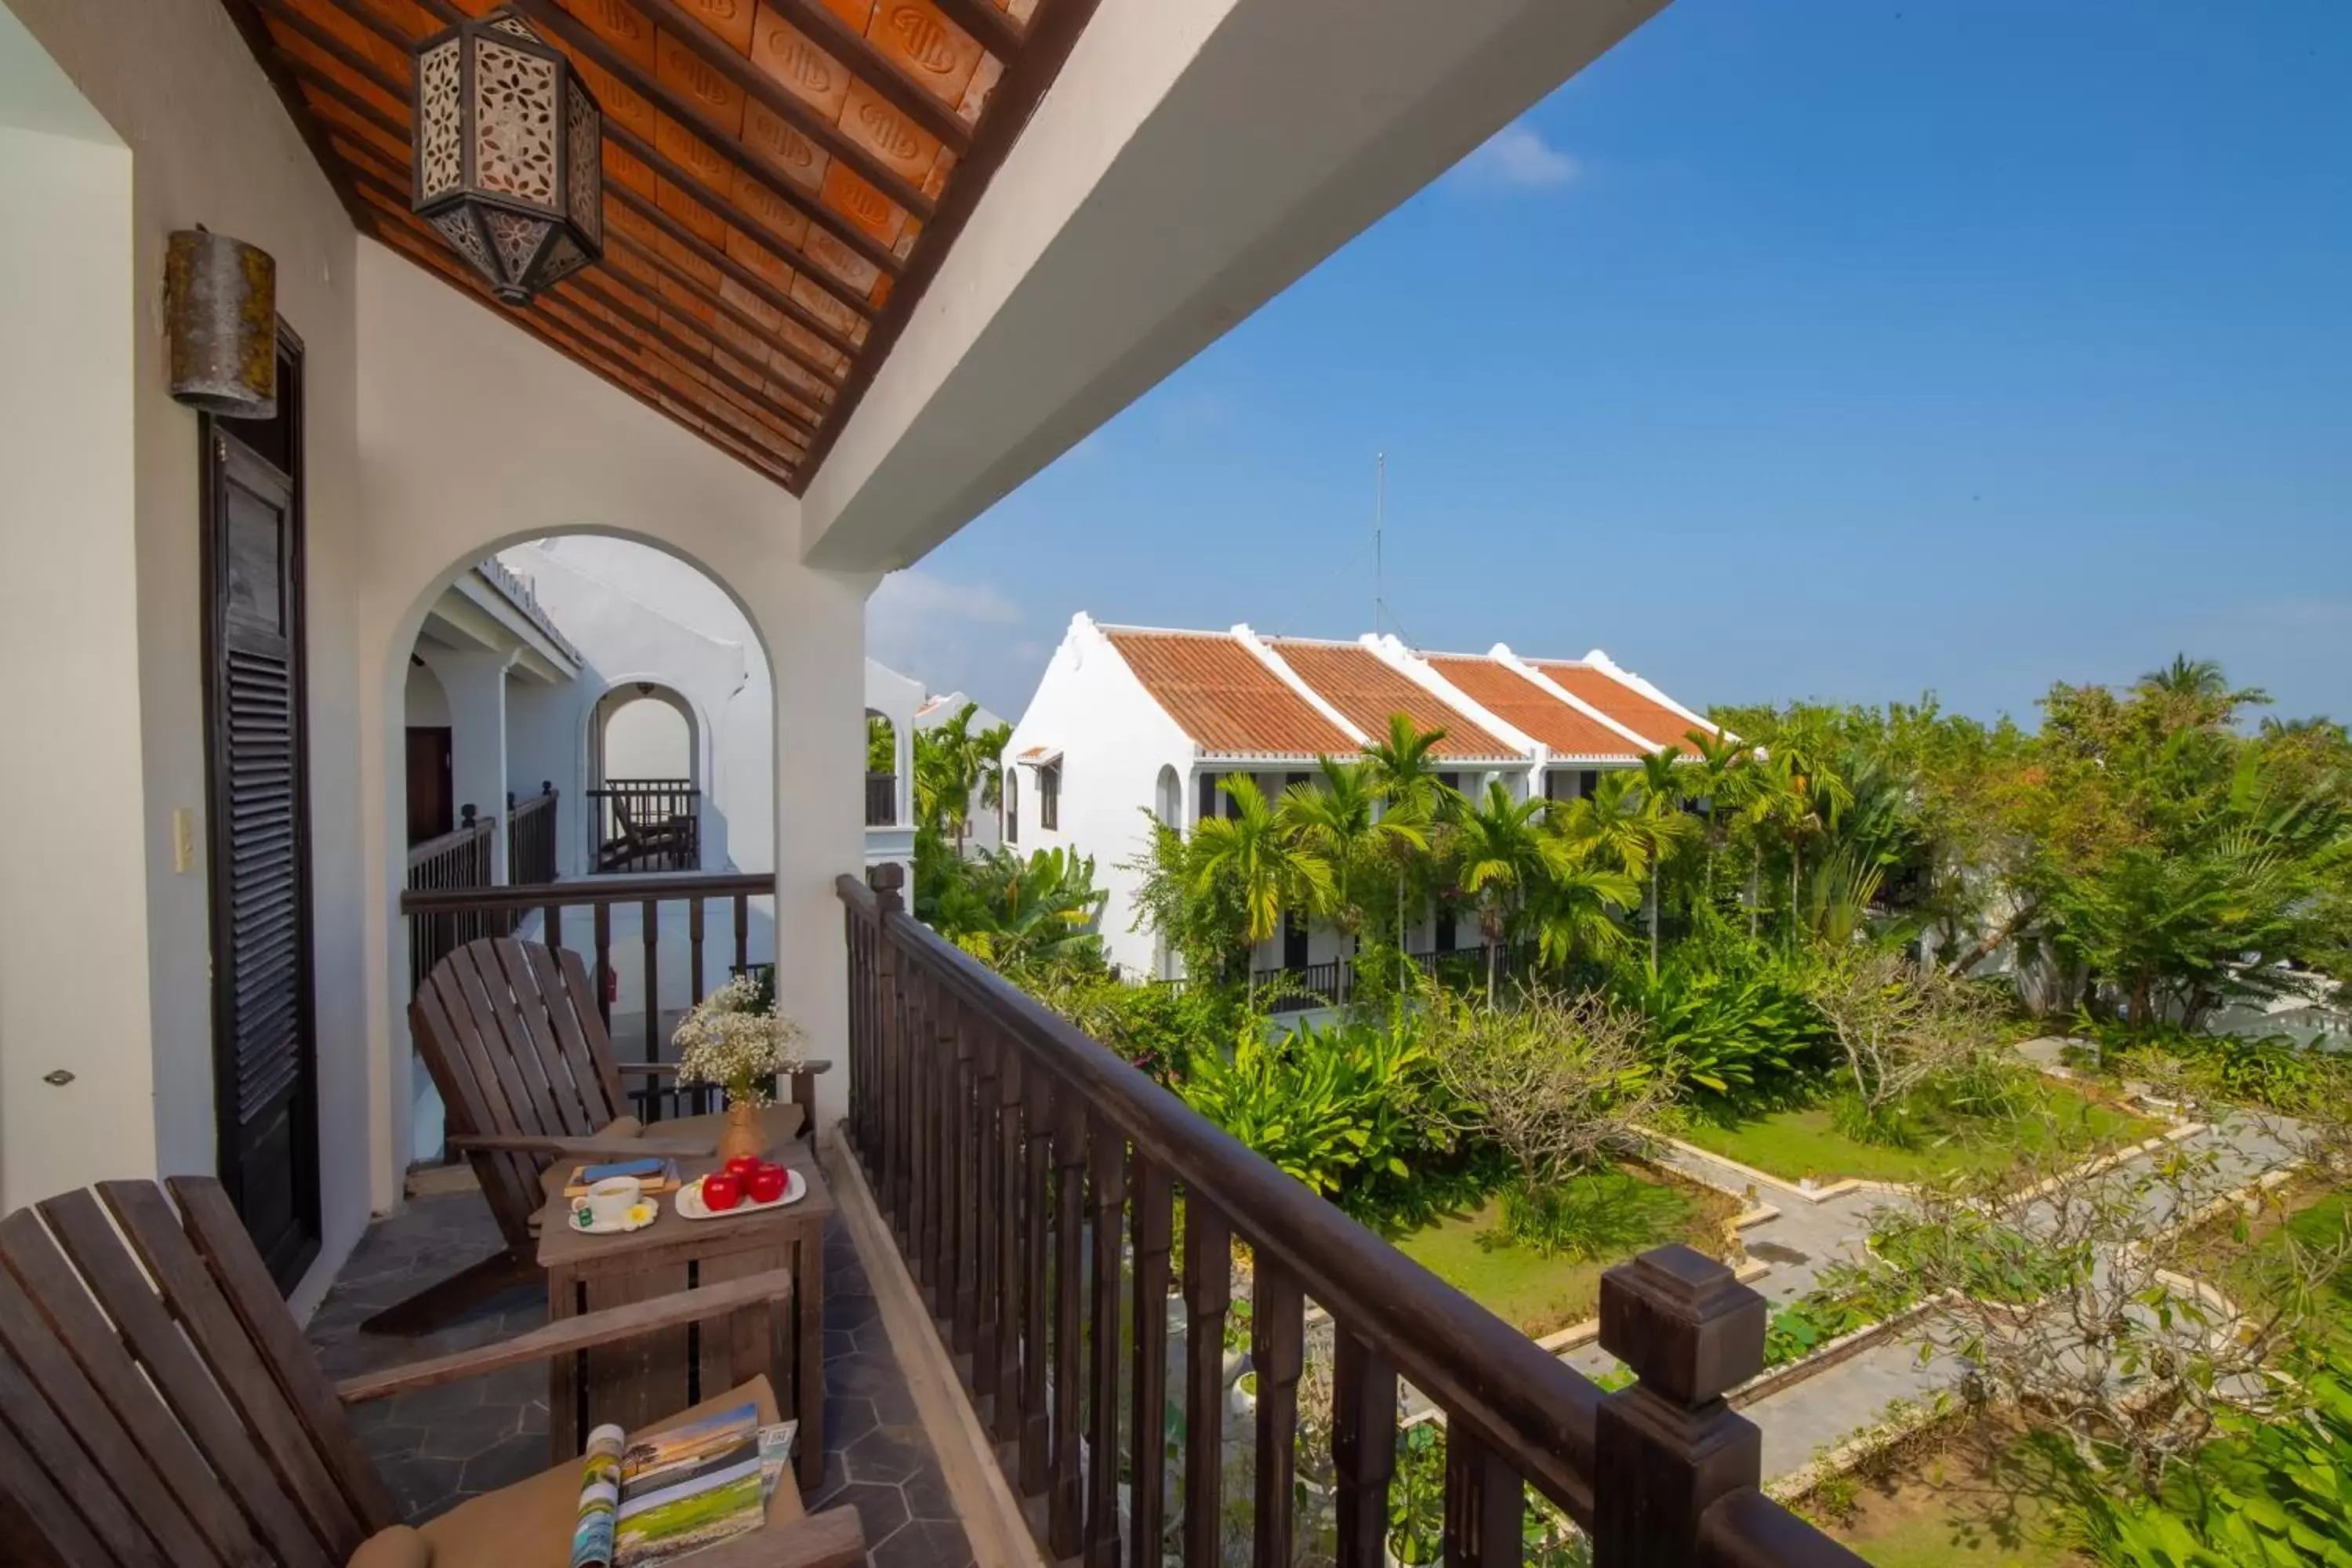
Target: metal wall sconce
x=220, y=313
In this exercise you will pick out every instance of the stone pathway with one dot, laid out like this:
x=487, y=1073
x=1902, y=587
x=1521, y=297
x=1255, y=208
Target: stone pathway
x=1805, y=1236
x=438, y=1447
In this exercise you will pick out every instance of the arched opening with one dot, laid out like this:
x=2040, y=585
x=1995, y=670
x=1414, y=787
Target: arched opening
x=881, y=771
x=645, y=791
x=602, y=713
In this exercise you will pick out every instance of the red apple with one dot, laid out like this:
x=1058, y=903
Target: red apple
x=721, y=1190
x=742, y=1165
x=767, y=1183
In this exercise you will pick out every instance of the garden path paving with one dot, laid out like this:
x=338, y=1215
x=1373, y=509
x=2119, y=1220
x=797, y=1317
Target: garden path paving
x=1801, y=1419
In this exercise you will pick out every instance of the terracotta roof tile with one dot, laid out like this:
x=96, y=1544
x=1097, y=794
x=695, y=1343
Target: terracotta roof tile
x=1642, y=714
x=1366, y=689
x=1224, y=699
x=1529, y=708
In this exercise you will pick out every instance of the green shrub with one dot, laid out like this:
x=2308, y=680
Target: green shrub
x=1604, y=1214
x=2274, y=1072
x=1734, y=1036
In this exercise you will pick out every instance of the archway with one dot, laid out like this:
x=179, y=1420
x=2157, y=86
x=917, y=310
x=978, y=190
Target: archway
x=645, y=780
x=615, y=701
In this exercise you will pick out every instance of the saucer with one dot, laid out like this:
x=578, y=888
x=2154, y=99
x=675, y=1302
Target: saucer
x=640, y=1215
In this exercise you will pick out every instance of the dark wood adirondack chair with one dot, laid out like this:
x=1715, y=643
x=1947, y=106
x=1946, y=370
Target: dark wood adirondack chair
x=160, y=1408
x=511, y=1032
x=667, y=841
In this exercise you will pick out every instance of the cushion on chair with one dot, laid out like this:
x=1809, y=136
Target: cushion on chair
x=528, y=1524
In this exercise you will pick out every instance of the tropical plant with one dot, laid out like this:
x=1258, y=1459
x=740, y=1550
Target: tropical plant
x=1255, y=857
x=1339, y=821
x=952, y=765
x=1403, y=768
x=1899, y=1024
x=1501, y=853
x=1735, y=1037
x=1016, y=914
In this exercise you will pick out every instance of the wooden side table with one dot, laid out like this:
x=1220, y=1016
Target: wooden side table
x=659, y=1374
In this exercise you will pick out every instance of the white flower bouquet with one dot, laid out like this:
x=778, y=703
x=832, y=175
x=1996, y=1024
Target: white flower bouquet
x=731, y=1041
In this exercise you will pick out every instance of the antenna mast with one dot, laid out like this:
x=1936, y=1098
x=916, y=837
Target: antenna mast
x=1380, y=503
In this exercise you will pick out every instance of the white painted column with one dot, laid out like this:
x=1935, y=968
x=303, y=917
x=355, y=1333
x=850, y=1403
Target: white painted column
x=77, y=1030
x=477, y=688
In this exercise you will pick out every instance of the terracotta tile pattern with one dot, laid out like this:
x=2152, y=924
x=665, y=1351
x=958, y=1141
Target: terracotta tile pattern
x=1227, y=702
x=1367, y=691
x=861, y=112
x=1530, y=709
x=1643, y=715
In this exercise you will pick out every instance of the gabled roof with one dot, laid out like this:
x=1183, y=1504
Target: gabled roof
x=1629, y=706
x=1558, y=728
x=1224, y=696
x=1367, y=688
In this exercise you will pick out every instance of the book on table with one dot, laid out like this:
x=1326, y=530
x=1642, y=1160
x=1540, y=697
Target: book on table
x=647, y=1500
x=654, y=1175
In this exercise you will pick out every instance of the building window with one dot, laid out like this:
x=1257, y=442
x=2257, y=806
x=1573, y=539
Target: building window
x=1012, y=806
x=1049, y=797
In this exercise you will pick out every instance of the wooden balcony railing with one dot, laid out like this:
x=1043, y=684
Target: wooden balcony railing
x=459, y=859
x=881, y=800
x=1034, y=1181
x=531, y=837
x=648, y=825
x=501, y=910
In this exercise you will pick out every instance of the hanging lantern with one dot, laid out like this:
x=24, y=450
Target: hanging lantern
x=220, y=313
x=508, y=154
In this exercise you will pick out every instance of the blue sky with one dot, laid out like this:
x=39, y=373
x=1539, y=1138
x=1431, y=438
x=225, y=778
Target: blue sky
x=1822, y=349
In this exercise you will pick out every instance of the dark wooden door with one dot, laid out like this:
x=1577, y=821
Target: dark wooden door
x=265, y=1046
x=431, y=804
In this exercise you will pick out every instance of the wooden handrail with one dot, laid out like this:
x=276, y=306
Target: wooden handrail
x=578, y=891
x=457, y=839
x=1010, y=1153
x=1520, y=1402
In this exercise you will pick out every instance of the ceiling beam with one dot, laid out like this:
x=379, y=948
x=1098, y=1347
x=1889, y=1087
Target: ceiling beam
x=304, y=71
x=874, y=68
x=1025, y=79
x=589, y=281
x=284, y=13
x=703, y=250
x=995, y=30
x=772, y=95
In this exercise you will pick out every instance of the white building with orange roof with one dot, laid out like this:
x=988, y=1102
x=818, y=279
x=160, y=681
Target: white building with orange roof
x=1134, y=722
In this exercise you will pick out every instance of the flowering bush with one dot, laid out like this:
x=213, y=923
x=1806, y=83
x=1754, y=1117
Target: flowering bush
x=730, y=1040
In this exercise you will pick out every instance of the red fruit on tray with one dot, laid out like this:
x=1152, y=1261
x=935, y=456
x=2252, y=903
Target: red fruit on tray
x=767, y=1183
x=742, y=1165
x=721, y=1190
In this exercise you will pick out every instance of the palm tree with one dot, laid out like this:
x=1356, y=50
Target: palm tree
x=1574, y=910
x=1255, y=851
x=951, y=763
x=1721, y=782
x=1504, y=854
x=1341, y=822
x=1804, y=797
x=1660, y=812
x=1404, y=769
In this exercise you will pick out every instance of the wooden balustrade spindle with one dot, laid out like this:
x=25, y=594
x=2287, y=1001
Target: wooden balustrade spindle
x=921, y=1148
x=1277, y=1341
x=1486, y=1506
x=1037, y=1114
x=603, y=938
x=1363, y=1447
x=963, y=1173
x=1062, y=1501
x=1011, y=1268
x=649, y=915
x=987, y=1153
x=1147, y=1384
x=694, y=950
x=743, y=926
x=1107, y=1173
x=1208, y=1291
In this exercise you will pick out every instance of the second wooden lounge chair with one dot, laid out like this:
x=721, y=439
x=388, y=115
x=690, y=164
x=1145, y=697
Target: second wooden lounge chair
x=530, y=1084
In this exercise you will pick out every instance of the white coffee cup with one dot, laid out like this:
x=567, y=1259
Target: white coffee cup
x=610, y=1200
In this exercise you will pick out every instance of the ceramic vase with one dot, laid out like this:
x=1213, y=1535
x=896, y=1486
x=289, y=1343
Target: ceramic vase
x=741, y=1136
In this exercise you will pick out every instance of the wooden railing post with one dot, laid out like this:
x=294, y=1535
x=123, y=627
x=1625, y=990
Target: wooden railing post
x=1669, y=1447
x=886, y=880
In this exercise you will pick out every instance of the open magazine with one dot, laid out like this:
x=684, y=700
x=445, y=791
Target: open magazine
x=661, y=1496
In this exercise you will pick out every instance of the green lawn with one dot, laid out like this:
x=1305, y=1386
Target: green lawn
x=1794, y=1144
x=1538, y=1294
x=1929, y=1536
x=2315, y=1218
x=1978, y=1501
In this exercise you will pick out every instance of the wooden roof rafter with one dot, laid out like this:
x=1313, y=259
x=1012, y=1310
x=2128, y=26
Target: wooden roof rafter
x=783, y=179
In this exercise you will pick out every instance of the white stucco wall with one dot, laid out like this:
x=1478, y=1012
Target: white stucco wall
x=476, y=439
x=209, y=143
x=1113, y=738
